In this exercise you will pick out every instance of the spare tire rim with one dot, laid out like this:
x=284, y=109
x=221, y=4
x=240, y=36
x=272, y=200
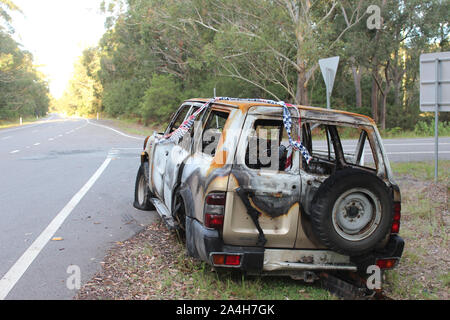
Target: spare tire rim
x=356, y=214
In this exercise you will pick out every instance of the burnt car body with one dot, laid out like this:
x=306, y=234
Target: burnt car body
x=245, y=200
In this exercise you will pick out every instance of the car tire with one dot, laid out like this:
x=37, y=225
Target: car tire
x=352, y=212
x=142, y=192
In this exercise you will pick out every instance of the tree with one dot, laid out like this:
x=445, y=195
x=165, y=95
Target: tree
x=83, y=94
x=274, y=43
x=5, y=7
x=22, y=88
x=167, y=51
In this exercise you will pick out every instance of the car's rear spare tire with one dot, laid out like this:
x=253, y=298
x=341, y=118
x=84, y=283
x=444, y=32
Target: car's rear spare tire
x=352, y=212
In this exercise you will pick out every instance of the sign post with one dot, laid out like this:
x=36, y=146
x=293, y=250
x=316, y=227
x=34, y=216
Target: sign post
x=329, y=67
x=435, y=92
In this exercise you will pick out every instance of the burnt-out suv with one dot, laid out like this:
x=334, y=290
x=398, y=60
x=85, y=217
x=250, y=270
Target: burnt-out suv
x=232, y=179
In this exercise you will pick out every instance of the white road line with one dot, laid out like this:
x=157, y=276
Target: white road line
x=50, y=139
x=117, y=131
x=15, y=151
x=414, y=144
x=397, y=145
x=8, y=137
x=14, y=274
x=36, y=144
x=418, y=152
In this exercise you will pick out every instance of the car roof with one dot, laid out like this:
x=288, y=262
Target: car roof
x=317, y=112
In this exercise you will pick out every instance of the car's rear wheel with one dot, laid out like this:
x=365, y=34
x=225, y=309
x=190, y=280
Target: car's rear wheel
x=179, y=215
x=142, y=193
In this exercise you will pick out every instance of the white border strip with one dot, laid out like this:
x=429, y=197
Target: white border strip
x=14, y=274
x=26, y=126
x=116, y=131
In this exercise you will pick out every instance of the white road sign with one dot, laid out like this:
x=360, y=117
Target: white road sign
x=435, y=92
x=329, y=67
x=435, y=82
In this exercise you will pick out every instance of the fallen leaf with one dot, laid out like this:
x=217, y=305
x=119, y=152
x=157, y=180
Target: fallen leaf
x=57, y=239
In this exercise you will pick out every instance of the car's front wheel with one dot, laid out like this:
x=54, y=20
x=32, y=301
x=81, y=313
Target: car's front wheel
x=142, y=193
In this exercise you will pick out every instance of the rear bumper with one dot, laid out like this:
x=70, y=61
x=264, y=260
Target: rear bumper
x=393, y=250
x=202, y=243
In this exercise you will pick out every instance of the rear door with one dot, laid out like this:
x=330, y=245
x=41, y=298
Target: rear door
x=268, y=173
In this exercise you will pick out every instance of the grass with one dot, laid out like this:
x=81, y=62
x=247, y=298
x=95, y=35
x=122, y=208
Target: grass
x=423, y=170
x=154, y=265
x=205, y=284
x=15, y=123
x=130, y=125
x=234, y=285
x=423, y=270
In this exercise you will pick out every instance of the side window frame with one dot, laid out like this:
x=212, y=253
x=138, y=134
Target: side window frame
x=204, y=121
x=177, y=114
x=295, y=154
x=332, y=132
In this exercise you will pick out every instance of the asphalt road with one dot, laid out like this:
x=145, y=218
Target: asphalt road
x=403, y=150
x=67, y=179
x=66, y=193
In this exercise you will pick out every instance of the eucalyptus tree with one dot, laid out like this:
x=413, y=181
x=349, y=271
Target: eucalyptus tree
x=274, y=45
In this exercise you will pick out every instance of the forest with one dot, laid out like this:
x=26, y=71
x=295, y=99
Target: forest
x=23, y=89
x=156, y=53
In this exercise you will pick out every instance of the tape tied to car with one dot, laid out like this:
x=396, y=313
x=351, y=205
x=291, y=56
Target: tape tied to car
x=287, y=121
x=184, y=128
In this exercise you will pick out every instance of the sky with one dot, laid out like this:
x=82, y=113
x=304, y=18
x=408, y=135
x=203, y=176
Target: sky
x=56, y=32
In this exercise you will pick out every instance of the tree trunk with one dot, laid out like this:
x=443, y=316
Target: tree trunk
x=374, y=99
x=357, y=81
x=301, y=96
x=383, y=113
x=397, y=89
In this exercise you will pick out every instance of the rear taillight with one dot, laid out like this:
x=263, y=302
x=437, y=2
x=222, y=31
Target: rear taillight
x=216, y=199
x=231, y=260
x=397, y=216
x=214, y=221
x=387, y=263
x=214, y=210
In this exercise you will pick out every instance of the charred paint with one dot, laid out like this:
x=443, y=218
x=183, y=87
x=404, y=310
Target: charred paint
x=218, y=161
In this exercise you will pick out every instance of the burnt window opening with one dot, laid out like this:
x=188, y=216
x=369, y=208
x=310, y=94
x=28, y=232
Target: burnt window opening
x=357, y=147
x=268, y=146
x=186, y=141
x=318, y=139
x=212, y=133
x=335, y=146
x=178, y=119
